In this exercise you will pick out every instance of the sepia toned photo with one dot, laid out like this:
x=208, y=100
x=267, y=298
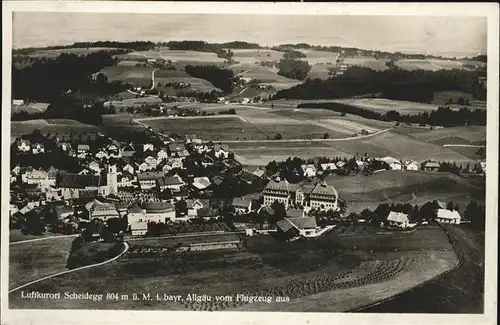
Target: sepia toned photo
x=180, y=161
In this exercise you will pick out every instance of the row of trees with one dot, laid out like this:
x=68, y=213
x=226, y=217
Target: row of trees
x=443, y=116
x=137, y=46
x=416, y=85
x=208, y=47
x=220, y=78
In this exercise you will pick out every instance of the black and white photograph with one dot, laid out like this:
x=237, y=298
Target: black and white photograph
x=160, y=157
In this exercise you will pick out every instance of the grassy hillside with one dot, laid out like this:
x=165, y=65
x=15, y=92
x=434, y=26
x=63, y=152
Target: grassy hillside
x=61, y=126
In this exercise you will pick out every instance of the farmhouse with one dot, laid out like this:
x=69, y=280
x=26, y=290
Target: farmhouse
x=259, y=172
x=162, y=154
x=328, y=167
x=94, y=166
x=340, y=164
x=192, y=138
x=103, y=211
x=448, y=216
x=37, y=148
x=151, y=161
x=295, y=213
x=147, y=180
x=23, y=145
x=82, y=148
x=308, y=170
x=175, y=148
x=18, y=102
x=393, y=163
x=101, y=155
x=195, y=205
x=221, y=151
x=201, y=183
x=174, y=183
x=148, y=147
x=137, y=221
x=159, y=211
x=431, y=166
x=63, y=212
x=398, y=219
x=128, y=168
x=411, y=165
x=144, y=167
x=242, y=205
x=297, y=226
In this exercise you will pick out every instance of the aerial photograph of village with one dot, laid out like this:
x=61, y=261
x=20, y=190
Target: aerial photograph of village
x=257, y=163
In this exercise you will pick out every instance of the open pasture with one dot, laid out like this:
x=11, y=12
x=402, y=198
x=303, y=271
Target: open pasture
x=381, y=145
x=134, y=102
x=61, y=126
x=137, y=76
x=320, y=71
x=366, y=62
x=250, y=56
x=265, y=266
x=428, y=64
x=473, y=134
x=52, y=54
x=30, y=108
x=261, y=73
x=383, y=105
x=320, y=57
x=33, y=260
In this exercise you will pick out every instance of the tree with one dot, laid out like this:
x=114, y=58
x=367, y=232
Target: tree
x=450, y=206
x=279, y=212
x=278, y=136
x=326, y=136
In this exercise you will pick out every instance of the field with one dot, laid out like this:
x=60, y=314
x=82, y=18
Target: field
x=429, y=64
x=181, y=57
x=453, y=135
x=302, y=270
x=414, y=187
x=52, y=54
x=169, y=76
x=374, y=64
x=61, y=126
x=320, y=71
x=30, y=108
x=320, y=57
x=460, y=291
x=383, y=105
x=33, y=260
x=385, y=144
x=250, y=56
x=133, y=102
x=137, y=76
x=265, y=75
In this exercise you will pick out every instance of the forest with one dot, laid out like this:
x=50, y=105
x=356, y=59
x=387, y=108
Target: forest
x=45, y=80
x=399, y=84
x=137, y=46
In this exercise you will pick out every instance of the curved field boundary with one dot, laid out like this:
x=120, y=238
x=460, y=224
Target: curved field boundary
x=460, y=256
x=73, y=270
x=39, y=239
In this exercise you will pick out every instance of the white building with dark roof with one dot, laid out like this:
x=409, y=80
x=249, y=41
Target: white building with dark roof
x=103, y=211
x=448, y=216
x=398, y=219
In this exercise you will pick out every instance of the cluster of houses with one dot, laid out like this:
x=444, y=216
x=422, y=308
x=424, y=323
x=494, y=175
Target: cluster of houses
x=443, y=215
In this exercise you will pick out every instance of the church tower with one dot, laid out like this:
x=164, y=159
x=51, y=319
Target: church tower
x=112, y=179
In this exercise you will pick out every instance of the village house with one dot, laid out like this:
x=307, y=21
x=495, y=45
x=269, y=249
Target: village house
x=126, y=180
x=398, y=219
x=221, y=151
x=393, y=163
x=201, y=183
x=82, y=148
x=431, y=166
x=162, y=154
x=242, y=205
x=145, y=167
x=297, y=226
x=94, y=166
x=38, y=177
x=147, y=180
x=192, y=138
x=101, y=155
x=103, y=211
x=340, y=164
x=148, y=147
x=37, y=148
x=259, y=172
x=151, y=161
x=23, y=145
x=159, y=211
x=328, y=167
x=65, y=146
x=129, y=168
x=175, y=148
x=448, y=216
x=17, y=102
x=309, y=170
x=137, y=220
x=25, y=172
x=174, y=183
x=194, y=205
x=248, y=178
x=411, y=165
x=16, y=170
x=295, y=213
x=122, y=208
x=63, y=211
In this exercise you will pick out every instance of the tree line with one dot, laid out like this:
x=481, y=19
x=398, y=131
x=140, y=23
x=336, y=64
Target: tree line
x=395, y=83
x=203, y=46
x=292, y=68
x=443, y=116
